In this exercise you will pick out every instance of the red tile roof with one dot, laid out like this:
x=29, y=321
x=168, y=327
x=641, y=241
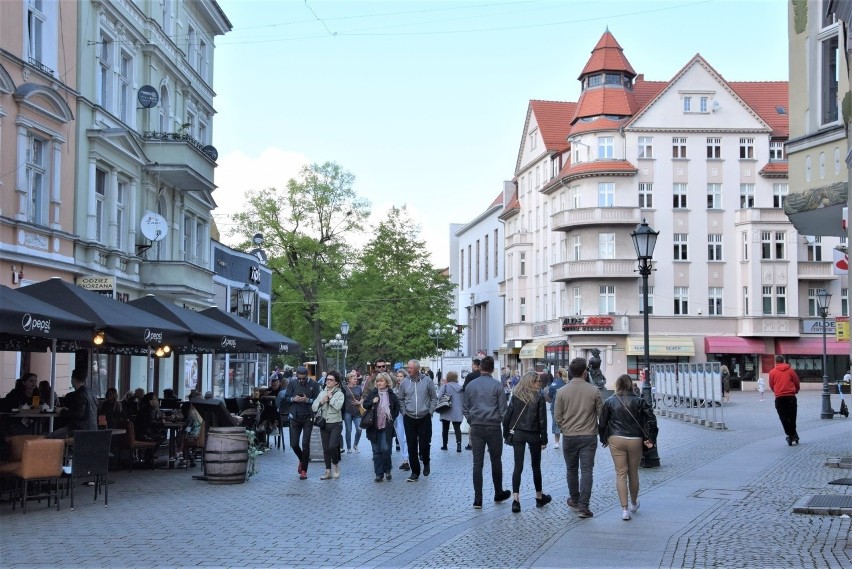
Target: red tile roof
x=765, y=97
x=512, y=207
x=598, y=168
x=554, y=122
x=775, y=170
x=645, y=91
x=600, y=123
x=607, y=56
x=497, y=201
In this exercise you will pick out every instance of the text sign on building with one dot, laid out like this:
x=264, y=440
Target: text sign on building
x=539, y=330
x=814, y=326
x=588, y=323
x=100, y=285
x=841, y=329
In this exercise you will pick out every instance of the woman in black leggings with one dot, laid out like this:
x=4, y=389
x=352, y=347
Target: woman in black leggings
x=525, y=422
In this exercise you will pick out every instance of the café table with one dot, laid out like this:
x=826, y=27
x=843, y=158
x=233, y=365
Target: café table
x=173, y=428
x=35, y=417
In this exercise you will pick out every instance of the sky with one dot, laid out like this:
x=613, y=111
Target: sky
x=425, y=101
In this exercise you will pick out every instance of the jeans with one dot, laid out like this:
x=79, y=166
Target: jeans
x=492, y=437
x=445, y=431
x=348, y=420
x=399, y=429
x=521, y=441
x=382, y=451
x=301, y=431
x=579, y=454
x=787, y=406
x=418, y=434
x=331, y=441
x=626, y=454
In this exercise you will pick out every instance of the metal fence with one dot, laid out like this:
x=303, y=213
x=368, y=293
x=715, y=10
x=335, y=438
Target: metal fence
x=691, y=392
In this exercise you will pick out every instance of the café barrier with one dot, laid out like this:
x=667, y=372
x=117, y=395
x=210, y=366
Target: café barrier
x=690, y=392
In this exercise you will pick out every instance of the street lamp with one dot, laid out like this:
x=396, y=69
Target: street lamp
x=336, y=344
x=436, y=333
x=344, y=329
x=246, y=300
x=823, y=298
x=644, y=241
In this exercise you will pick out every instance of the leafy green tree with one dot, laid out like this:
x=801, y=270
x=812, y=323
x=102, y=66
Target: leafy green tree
x=308, y=229
x=395, y=294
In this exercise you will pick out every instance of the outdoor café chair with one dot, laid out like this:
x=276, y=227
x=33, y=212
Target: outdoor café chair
x=41, y=461
x=91, y=460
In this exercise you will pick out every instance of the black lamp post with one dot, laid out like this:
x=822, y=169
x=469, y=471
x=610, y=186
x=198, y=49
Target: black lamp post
x=246, y=298
x=436, y=333
x=644, y=241
x=344, y=329
x=823, y=298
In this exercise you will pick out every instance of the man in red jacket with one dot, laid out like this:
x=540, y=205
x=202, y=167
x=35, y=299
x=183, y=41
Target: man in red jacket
x=784, y=383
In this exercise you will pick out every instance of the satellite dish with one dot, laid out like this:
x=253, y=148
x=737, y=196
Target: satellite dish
x=810, y=239
x=154, y=226
x=147, y=96
x=211, y=151
x=716, y=106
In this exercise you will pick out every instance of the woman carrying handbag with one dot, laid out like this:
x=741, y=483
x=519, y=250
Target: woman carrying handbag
x=525, y=424
x=328, y=409
x=382, y=407
x=453, y=413
x=627, y=425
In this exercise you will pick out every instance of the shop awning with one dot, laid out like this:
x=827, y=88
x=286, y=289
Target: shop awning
x=733, y=345
x=533, y=350
x=557, y=346
x=661, y=346
x=810, y=347
x=268, y=341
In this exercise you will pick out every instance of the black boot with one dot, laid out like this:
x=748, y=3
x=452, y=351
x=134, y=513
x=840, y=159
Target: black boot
x=458, y=447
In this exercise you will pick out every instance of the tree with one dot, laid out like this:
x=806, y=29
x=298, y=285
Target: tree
x=395, y=294
x=308, y=230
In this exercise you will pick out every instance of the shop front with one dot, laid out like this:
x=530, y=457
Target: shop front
x=661, y=349
x=532, y=356
x=805, y=356
x=740, y=354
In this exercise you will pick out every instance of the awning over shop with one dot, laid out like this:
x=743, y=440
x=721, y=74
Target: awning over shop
x=818, y=211
x=268, y=341
x=733, y=345
x=557, y=346
x=533, y=350
x=810, y=347
x=661, y=346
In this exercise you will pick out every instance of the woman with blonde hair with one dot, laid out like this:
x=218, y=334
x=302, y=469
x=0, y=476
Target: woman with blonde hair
x=627, y=425
x=380, y=432
x=525, y=424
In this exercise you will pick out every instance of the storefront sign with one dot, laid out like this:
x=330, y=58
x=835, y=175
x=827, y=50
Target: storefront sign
x=100, y=285
x=841, y=328
x=814, y=326
x=588, y=324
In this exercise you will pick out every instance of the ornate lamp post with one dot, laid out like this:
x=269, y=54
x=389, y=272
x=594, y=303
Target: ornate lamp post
x=344, y=329
x=823, y=298
x=246, y=299
x=436, y=333
x=335, y=344
x=644, y=241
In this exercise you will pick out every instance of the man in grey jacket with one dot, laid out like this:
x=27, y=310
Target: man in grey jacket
x=417, y=398
x=483, y=405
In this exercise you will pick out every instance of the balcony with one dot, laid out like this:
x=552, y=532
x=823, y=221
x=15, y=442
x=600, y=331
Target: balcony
x=518, y=331
x=585, y=217
x=816, y=270
x=179, y=160
x=519, y=238
x=760, y=215
x=598, y=269
x=176, y=277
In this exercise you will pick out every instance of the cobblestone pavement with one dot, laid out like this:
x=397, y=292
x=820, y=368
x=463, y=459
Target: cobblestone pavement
x=721, y=498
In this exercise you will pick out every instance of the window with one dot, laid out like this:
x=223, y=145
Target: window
x=714, y=196
x=650, y=300
x=537, y=176
x=680, y=247
x=469, y=266
x=595, y=80
x=575, y=197
x=578, y=301
x=100, y=199
x=577, y=256
x=745, y=300
x=606, y=194
x=780, y=245
x=678, y=147
x=461, y=267
x=477, y=261
x=679, y=196
x=767, y=300
x=554, y=167
x=844, y=302
x=199, y=241
x=646, y=197
x=613, y=79
x=606, y=299
x=746, y=196
x=485, y=251
x=496, y=251
x=687, y=104
x=815, y=249
x=776, y=151
x=714, y=148
x=606, y=245
x=104, y=71
x=523, y=258
x=829, y=66
x=702, y=104
x=124, y=87
x=765, y=245
x=606, y=147
x=119, y=214
x=533, y=139
x=746, y=149
x=745, y=246
x=714, y=247
x=523, y=306
x=779, y=195
x=646, y=148
x=714, y=301
x=202, y=59
x=813, y=306
x=681, y=300
x=36, y=175
x=187, y=237
x=781, y=300
x=36, y=23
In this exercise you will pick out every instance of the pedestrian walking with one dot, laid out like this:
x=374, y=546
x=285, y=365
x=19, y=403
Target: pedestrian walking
x=627, y=426
x=398, y=427
x=451, y=414
x=484, y=405
x=329, y=406
x=525, y=424
x=578, y=406
x=299, y=398
x=726, y=384
x=761, y=387
x=784, y=383
x=555, y=385
x=380, y=432
x=417, y=398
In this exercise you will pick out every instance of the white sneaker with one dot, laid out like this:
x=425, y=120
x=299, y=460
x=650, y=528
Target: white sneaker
x=555, y=445
x=625, y=515
x=634, y=506
x=355, y=449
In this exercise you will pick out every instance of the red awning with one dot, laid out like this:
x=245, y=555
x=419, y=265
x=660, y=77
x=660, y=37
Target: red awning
x=733, y=345
x=810, y=347
x=559, y=346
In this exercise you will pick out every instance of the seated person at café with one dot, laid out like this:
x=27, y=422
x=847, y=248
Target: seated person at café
x=190, y=432
x=81, y=408
x=46, y=395
x=169, y=394
x=213, y=411
x=111, y=409
x=269, y=416
x=148, y=424
x=21, y=394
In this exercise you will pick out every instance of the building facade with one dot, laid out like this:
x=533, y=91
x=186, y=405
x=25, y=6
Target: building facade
x=702, y=160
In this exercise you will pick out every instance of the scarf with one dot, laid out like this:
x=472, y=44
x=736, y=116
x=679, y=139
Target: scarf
x=383, y=414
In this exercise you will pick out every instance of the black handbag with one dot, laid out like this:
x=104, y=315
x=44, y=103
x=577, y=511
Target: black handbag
x=319, y=421
x=368, y=419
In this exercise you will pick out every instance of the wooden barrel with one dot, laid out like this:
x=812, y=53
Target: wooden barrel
x=226, y=455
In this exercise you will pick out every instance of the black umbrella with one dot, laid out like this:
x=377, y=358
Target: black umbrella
x=207, y=334
x=120, y=323
x=269, y=341
x=23, y=315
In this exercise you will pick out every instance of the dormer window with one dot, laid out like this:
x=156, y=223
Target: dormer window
x=613, y=79
x=595, y=80
x=697, y=102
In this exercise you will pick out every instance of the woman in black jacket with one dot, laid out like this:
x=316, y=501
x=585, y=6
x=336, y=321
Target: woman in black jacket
x=525, y=422
x=380, y=432
x=627, y=425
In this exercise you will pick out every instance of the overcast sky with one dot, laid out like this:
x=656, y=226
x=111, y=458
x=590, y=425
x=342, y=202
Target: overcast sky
x=424, y=102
